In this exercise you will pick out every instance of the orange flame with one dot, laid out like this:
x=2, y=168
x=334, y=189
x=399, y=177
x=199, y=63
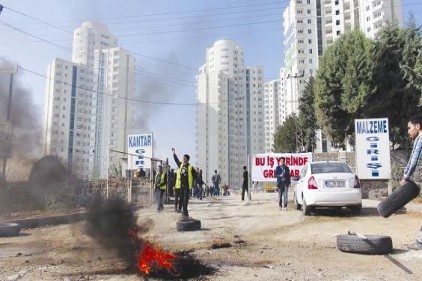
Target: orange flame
x=151, y=256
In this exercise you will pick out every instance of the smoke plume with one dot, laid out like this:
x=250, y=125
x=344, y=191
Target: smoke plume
x=24, y=122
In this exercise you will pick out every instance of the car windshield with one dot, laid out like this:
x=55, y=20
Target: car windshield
x=322, y=168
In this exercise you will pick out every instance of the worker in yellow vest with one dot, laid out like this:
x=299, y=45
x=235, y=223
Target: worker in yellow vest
x=160, y=187
x=184, y=180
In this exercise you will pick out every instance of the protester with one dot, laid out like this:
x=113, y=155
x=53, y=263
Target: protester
x=245, y=183
x=160, y=187
x=184, y=180
x=199, y=185
x=216, y=180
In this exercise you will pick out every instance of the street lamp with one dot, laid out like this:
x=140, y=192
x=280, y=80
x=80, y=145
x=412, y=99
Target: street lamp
x=5, y=132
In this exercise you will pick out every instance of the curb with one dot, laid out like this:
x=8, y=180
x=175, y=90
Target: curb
x=53, y=220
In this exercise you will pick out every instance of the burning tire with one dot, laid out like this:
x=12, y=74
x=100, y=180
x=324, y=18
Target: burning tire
x=396, y=200
x=9, y=229
x=368, y=244
x=188, y=225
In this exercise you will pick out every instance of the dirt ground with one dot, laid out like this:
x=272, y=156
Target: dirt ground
x=265, y=244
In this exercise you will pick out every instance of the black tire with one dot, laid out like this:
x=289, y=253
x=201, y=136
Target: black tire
x=188, y=225
x=9, y=229
x=396, y=200
x=306, y=209
x=371, y=244
x=296, y=204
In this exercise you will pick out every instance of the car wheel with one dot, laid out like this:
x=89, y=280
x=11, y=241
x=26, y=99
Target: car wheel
x=369, y=244
x=305, y=208
x=188, y=225
x=356, y=209
x=396, y=200
x=296, y=204
x=9, y=229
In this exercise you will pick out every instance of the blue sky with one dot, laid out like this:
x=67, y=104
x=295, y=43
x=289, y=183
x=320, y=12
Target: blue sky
x=168, y=39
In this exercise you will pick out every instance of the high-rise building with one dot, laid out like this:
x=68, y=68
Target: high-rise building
x=230, y=113
x=88, y=109
x=310, y=26
x=274, y=106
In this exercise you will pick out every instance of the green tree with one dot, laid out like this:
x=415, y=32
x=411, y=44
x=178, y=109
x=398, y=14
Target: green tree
x=412, y=55
x=307, y=118
x=344, y=84
x=285, y=135
x=396, y=98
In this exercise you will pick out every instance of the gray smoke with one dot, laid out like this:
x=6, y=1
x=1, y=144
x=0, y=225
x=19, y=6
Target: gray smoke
x=25, y=119
x=157, y=85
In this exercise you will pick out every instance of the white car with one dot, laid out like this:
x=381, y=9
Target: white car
x=327, y=184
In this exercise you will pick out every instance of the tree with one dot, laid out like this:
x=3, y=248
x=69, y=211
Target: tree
x=307, y=118
x=396, y=97
x=285, y=135
x=343, y=85
x=412, y=56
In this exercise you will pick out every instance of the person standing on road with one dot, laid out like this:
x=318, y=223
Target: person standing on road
x=199, y=183
x=160, y=187
x=184, y=180
x=245, y=183
x=414, y=130
x=282, y=173
x=216, y=180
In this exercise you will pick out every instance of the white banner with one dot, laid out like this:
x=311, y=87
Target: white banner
x=139, y=149
x=263, y=165
x=372, y=149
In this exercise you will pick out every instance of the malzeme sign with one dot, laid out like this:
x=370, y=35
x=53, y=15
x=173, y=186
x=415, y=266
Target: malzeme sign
x=372, y=149
x=263, y=165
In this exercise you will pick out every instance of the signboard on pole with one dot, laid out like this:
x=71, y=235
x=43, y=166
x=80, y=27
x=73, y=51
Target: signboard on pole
x=263, y=165
x=372, y=149
x=8, y=69
x=139, y=151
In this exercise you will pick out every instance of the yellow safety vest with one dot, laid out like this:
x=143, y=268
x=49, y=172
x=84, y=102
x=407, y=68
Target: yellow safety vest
x=178, y=177
x=162, y=181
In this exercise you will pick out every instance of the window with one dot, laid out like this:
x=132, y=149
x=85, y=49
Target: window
x=337, y=22
x=337, y=12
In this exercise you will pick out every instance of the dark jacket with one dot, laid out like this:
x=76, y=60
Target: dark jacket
x=283, y=175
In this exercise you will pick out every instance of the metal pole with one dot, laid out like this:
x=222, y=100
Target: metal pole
x=249, y=177
x=9, y=105
x=167, y=182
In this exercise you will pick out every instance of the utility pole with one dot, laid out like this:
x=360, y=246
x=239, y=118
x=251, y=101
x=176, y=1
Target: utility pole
x=7, y=134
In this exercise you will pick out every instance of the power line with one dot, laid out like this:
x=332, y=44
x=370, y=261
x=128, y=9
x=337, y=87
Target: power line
x=105, y=94
x=36, y=19
x=35, y=36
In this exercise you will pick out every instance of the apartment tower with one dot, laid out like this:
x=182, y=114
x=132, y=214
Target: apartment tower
x=230, y=113
x=88, y=113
